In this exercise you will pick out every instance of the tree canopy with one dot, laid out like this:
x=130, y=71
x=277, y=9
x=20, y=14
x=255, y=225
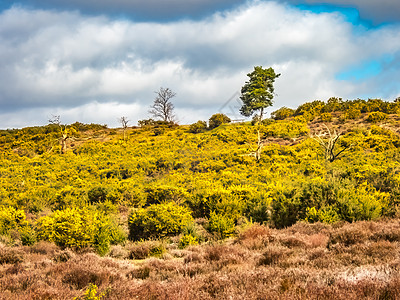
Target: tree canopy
x=258, y=92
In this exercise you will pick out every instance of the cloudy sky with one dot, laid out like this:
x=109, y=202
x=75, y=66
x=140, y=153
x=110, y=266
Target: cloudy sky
x=94, y=61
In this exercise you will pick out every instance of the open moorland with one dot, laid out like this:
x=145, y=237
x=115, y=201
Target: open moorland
x=304, y=205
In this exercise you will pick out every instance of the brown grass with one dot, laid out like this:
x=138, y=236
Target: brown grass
x=305, y=261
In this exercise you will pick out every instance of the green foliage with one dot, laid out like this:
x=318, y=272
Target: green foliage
x=376, y=116
x=353, y=113
x=285, y=129
x=258, y=92
x=187, y=240
x=217, y=120
x=164, y=193
x=78, y=228
x=210, y=172
x=326, y=117
x=91, y=293
x=158, y=221
x=282, y=113
x=198, y=127
x=11, y=218
x=97, y=194
x=221, y=224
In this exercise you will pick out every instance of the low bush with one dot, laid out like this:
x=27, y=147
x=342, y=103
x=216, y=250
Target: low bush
x=282, y=113
x=79, y=228
x=376, y=116
x=11, y=218
x=217, y=120
x=158, y=220
x=198, y=127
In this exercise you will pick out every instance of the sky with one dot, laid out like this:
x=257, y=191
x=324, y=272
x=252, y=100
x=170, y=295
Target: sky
x=95, y=61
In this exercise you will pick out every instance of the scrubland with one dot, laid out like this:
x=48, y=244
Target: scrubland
x=163, y=211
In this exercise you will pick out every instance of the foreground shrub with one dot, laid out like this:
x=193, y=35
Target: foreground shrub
x=91, y=293
x=11, y=218
x=79, y=228
x=158, y=220
x=187, y=240
x=10, y=256
x=222, y=225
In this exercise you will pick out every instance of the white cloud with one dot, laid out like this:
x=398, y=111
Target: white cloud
x=75, y=64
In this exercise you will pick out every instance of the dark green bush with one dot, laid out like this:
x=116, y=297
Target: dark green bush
x=198, y=127
x=97, y=194
x=376, y=116
x=218, y=119
x=282, y=113
x=158, y=221
x=163, y=193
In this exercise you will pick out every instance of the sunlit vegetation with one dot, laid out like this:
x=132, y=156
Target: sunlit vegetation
x=159, y=192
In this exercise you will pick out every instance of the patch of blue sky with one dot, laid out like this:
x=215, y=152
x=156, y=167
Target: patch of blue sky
x=366, y=69
x=350, y=14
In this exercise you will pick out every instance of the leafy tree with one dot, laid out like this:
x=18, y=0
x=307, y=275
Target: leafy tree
x=162, y=107
x=258, y=92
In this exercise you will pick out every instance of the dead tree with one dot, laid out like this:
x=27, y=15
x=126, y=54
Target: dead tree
x=66, y=133
x=162, y=107
x=257, y=151
x=329, y=143
x=124, y=123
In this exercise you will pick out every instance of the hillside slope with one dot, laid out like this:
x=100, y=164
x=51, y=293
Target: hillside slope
x=176, y=188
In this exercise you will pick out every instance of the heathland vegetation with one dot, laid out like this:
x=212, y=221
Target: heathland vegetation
x=302, y=205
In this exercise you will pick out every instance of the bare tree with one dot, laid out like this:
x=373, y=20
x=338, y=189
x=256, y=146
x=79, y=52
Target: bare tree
x=329, y=144
x=162, y=107
x=124, y=123
x=66, y=132
x=260, y=145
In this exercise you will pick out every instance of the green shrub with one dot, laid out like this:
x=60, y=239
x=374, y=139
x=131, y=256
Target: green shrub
x=91, y=293
x=158, y=220
x=353, y=113
x=218, y=119
x=97, y=194
x=325, y=215
x=78, y=228
x=187, y=240
x=326, y=117
x=376, y=116
x=27, y=236
x=163, y=193
x=198, y=127
x=282, y=113
x=11, y=218
x=222, y=225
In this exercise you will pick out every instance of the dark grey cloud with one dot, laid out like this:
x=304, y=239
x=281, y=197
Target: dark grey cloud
x=138, y=9
x=91, y=68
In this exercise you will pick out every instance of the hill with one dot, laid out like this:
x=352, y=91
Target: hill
x=188, y=212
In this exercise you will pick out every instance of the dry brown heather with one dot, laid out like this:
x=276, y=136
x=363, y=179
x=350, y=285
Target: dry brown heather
x=305, y=261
